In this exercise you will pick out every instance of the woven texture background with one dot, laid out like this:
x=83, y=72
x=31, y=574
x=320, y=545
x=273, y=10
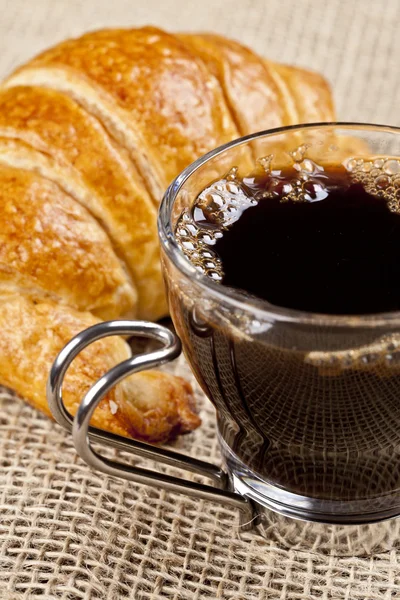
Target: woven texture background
x=69, y=533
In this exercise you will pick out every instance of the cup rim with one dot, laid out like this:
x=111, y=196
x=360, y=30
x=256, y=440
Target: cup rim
x=261, y=309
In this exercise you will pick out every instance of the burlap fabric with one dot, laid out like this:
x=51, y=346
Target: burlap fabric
x=69, y=533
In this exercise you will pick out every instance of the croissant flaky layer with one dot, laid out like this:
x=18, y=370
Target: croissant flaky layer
x=149, y=405
x=92, y=131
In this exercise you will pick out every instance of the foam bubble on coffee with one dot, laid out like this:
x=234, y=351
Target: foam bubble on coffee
x=223, y=202
x=217, y=207
x=380, y=177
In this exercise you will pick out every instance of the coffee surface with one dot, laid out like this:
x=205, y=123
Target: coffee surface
x=326, y=243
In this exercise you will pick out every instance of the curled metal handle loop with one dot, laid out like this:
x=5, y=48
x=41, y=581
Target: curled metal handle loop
x=83, y=434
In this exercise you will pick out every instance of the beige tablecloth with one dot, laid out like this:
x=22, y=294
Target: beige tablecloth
x=69, y=533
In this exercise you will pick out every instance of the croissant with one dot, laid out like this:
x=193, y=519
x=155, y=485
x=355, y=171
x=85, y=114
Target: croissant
x=92, y=132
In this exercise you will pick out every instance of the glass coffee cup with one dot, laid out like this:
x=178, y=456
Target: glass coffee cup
x=307, y=403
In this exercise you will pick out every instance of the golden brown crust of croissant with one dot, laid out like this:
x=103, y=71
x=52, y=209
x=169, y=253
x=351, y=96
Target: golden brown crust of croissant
x=249, y=90
x=310, y=92
x=73, y=150
x=91, y=133
x=51, y=244
x=149, y=405
x=170, y=110
x=262, y=94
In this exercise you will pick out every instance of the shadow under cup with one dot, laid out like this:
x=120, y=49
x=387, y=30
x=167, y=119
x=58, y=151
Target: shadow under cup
x=308, y=405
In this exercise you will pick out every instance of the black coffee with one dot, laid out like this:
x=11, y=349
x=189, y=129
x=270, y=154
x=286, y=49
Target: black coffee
x=311, y=409
x=335, y=249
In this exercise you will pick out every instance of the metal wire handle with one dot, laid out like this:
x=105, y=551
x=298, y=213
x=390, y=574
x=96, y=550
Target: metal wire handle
x=83, y=434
